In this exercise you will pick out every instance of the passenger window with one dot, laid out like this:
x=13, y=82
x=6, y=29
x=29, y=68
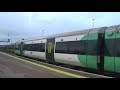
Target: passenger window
x=71, y=47
x=91, y=47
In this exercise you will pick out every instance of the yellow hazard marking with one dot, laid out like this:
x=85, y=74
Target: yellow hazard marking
x=49, y=68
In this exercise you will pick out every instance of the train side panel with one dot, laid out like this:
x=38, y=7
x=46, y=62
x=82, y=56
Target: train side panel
x=66, y=50
x=35, y=49
x=91, y=50
x=34, y=54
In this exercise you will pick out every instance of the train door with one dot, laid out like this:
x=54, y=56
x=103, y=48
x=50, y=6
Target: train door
x=109, y=56
x=21, y=48
x=94, y=49
x=117, y=50
x=101, y=45
x=50, y=49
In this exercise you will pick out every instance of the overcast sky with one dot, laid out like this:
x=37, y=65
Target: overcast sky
x=28, y=24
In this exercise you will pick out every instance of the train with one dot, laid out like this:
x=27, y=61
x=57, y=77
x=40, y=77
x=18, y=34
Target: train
x=95, y=48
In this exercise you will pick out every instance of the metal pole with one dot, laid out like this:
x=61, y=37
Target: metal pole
x=11, y=40
x=93, y=23
x=42, y=32
x=8, y=37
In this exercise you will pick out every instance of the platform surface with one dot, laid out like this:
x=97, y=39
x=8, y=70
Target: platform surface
x=15, y=67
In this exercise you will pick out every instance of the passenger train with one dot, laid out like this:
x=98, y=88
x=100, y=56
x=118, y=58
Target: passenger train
x=96, y=48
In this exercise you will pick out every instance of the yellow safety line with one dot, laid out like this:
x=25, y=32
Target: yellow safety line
x=49, y=68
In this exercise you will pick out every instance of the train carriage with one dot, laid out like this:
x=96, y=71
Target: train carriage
x=96, y=48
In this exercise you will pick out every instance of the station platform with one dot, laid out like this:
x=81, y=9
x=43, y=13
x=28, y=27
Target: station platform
x=12, y=66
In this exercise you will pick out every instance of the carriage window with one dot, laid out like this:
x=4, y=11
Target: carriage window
x=91, y=47
x=35, y=47
x=71, y=47
x=76, y=47
x=61, y=47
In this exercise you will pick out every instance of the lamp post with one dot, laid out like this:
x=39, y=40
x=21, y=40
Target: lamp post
x=93, y=23
x=8, y=39
x=11, y=40
x=42, y=32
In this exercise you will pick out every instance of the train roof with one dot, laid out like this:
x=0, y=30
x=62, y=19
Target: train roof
x=78, y=32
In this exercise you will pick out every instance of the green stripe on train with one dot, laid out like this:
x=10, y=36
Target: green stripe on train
x=117, y=64
x=89, y=61
x=112, y=64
